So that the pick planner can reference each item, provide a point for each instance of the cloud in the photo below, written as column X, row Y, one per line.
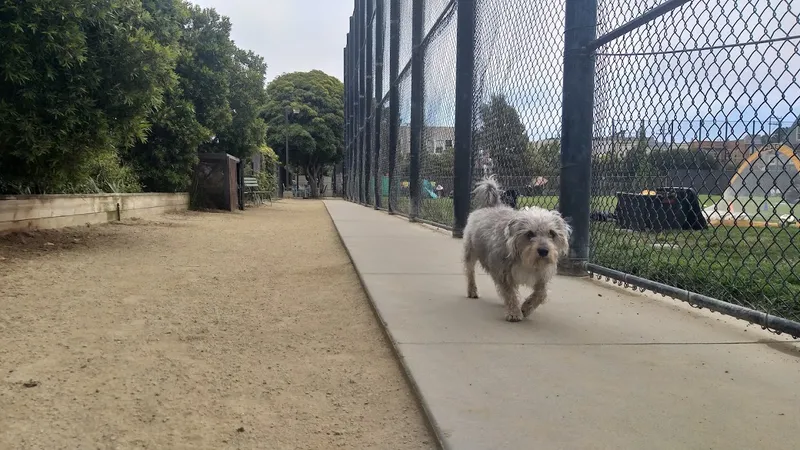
column 722, row 93
column 291, row 35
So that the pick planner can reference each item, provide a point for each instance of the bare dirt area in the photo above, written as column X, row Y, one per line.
column 196, row 331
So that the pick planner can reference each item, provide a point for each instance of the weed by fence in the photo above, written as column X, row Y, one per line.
column 666, row 131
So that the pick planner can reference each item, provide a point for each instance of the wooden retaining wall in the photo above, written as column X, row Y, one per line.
column 27, row 212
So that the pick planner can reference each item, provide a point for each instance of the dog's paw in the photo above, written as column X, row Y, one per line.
column 527, row 309
column 514, row 316
column 472, row 294
column 530, row 305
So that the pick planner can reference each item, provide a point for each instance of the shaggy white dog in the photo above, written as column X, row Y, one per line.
column 517, row 248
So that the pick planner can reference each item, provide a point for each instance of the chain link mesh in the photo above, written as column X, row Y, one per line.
column 387, row 39
column 518, row 97
column 402, row 162
column 432, row 12
column 370, row 132
column 383, row 158
column 406, row 32
column 438, row 132
column 705, row 97
column 695, row 167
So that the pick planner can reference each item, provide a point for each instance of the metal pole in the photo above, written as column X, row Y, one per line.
column 356, row 115
column 351, row 110
column 346, row 131
column 580, row 27
column 639, row 21
column 380, row 28
column 356, row 104
column 394, row 99
column 362, row 90
column 286, row 144
column 369, row 102
column 346, row 120
column 417, row 99
column 465, row 77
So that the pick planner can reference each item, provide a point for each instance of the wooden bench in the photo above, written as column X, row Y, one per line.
column 254, row 192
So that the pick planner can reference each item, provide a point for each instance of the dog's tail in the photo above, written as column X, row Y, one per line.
column 487, row 193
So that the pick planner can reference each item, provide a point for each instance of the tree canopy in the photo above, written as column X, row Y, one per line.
column 502, row 135
column 120, row 95
column 315, row 132
column 78, row 80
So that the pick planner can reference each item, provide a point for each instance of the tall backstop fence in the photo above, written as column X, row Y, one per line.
column 665, row 131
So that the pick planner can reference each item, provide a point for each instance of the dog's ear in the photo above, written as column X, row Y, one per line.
column 511, row 230
column 563, row 231
column 512, row 227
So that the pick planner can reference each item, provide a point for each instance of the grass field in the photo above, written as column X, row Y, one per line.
column 752, row 206
column 754, row 267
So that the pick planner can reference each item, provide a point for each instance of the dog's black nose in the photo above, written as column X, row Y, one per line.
column 543, row 252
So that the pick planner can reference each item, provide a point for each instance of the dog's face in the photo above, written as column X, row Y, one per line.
column 538, row 236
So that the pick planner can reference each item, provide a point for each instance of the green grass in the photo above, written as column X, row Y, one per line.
column 437, row 210
column 754, row 267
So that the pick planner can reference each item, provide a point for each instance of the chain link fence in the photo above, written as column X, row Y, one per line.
column 708, row 91
column 665, row 131
column 518, row 97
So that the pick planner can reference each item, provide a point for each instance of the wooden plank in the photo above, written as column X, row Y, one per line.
column 54, row 211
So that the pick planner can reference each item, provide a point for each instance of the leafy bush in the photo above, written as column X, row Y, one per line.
column 84, row 90
column 120, row 95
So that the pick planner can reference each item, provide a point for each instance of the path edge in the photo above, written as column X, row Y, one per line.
column 430, row 421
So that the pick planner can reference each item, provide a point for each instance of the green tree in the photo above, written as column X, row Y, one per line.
column 247, row 131
column 502, row 135
column 214, row 105
column 205, row 68
column 544, row 159
column 79, row 79
column 437, row 164
column 316, row 132
column 164, row 161
column 666, row 159
column 638, row 160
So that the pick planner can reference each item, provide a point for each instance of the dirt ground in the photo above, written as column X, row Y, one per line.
column 196, row 331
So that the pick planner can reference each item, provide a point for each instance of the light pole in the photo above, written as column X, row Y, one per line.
column 287, row 111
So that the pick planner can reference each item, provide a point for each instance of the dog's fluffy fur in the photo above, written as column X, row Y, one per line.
column 517, row 248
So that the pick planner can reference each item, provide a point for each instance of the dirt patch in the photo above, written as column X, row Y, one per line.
column 201, row 331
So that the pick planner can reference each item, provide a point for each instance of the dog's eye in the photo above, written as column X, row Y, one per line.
column 553, row 234
column 530, row 235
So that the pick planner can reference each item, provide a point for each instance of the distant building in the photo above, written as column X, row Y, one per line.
column 726, row 153
column 793, row 137
column 620, row 145
column 434, row 139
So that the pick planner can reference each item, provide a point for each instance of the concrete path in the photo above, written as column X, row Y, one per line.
column 597, row 367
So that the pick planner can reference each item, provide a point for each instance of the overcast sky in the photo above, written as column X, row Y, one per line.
column 520, row 55
column 291, row 35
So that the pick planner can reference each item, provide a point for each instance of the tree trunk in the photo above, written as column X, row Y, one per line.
column 320, row 180
column 313, row 180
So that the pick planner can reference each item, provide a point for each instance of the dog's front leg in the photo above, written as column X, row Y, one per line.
column 472, row 287
column 535, row 300
column 508, row 292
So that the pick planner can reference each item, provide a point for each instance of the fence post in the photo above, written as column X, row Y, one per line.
column 362, row 107
column 465, row 77
column 346, row 121
column 417, row 94
column 379, row 47
column 353, row 79
column 394, row 98
column 580, row 28
column 369, row 96
column 346, row 155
